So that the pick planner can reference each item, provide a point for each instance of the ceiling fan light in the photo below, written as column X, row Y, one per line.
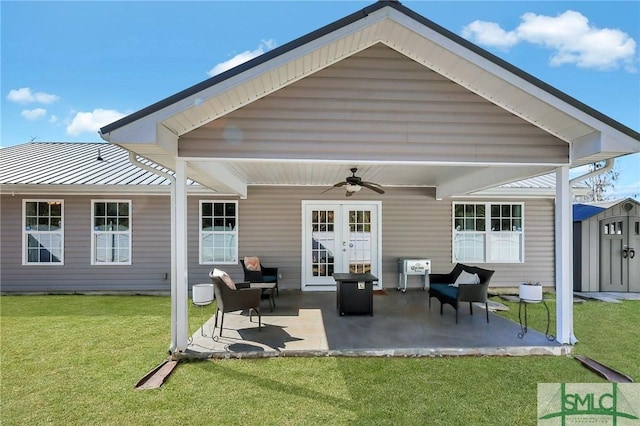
column 353, row 188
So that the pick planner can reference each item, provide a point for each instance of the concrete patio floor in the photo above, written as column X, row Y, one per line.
column 308, row 324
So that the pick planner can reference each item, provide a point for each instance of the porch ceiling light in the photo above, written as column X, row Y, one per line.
column 353, row 188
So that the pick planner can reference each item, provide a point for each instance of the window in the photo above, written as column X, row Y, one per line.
column 487, row 232
column 111, row 232
column 218, row 232
column 43, row 239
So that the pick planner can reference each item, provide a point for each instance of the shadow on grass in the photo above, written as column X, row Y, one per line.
column 272, row 388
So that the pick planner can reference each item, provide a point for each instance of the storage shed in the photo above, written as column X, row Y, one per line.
column 606, row 239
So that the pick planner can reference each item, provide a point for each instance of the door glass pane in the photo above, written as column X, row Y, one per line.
column 322, row 243
column 359, row 243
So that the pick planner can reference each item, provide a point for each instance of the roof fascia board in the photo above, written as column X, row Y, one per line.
column 586, row 146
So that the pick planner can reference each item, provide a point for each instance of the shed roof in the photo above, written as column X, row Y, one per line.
column 585, row 211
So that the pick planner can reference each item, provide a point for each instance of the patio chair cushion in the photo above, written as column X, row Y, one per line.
column 466, row 278
column 252, row 263
column 445, row 289
column 225, row 278
column 270, row 278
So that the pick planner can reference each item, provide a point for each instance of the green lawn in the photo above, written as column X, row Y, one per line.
column 75, row 360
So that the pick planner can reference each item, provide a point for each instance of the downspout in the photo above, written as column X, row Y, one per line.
column 608, row 165
column 133, row 158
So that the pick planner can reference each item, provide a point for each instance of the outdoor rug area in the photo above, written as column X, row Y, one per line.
column 308, row 324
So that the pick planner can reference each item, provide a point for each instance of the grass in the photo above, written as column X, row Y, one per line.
column 75, row 360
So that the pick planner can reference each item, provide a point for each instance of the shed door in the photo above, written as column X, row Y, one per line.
column 619, row 260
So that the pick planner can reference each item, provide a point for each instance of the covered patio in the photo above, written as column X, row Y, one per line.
column 416, row 109
column 308, row 324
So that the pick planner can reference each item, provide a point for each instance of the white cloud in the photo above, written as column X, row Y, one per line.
column 33, row 114
column 25, row 95
column 53, row 119
column 489, row 34
column 570, row 35
column 240, row 58
column 92, row 121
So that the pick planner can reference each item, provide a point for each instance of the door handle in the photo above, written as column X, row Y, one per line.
column 632, row 253
column 625, row 253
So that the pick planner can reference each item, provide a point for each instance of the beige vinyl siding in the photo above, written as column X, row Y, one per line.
column 150, row 227
column 413, row 224
column 376, row 105
column 269, row 226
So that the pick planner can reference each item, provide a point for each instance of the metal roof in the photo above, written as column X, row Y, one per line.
column 39, row 163
column 66, row 163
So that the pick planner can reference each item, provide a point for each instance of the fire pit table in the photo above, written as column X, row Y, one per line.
column 354, row 293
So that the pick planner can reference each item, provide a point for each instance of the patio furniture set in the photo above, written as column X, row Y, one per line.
column 354, row 292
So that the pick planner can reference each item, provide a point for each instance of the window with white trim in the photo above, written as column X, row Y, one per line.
column 111, row 232
column 43, row 238
column 488, row 232
column 218, row 232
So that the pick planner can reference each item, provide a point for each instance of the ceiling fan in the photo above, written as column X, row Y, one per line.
column 354, row 184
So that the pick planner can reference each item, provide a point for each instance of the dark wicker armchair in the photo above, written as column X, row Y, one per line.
column 441, row 289
column 229, row 299
column 264, row 275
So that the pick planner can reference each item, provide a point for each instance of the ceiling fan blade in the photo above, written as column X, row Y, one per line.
column 373, row 187
column 337, row 185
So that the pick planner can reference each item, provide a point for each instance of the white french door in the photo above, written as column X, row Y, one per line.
column 339, row 237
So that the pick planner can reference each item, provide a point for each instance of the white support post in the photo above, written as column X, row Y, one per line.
column 181, row 295
column 564, row 258
column 174, row 272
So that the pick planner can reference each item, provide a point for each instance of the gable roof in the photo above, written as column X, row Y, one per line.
column 344, row 22
column 578, row 134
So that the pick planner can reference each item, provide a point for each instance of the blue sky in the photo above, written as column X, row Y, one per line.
column 71, row 67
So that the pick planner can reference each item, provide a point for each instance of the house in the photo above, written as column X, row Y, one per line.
column 430, row 117
column 606, row 237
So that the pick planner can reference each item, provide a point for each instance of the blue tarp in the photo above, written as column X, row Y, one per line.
column 585, row 211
